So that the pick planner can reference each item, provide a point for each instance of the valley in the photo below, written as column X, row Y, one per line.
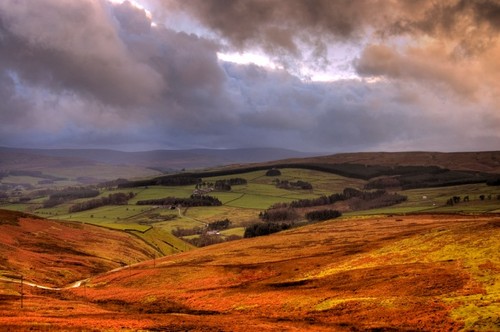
column 174, row 252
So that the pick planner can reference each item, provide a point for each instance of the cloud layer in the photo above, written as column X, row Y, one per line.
column 89, row 73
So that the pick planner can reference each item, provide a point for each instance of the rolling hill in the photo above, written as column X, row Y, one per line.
column 163, row 159
column 57, row 253
column 486, row 161
column 374, row 270
column 405, row 273
column 91, row 166
column 86, row 166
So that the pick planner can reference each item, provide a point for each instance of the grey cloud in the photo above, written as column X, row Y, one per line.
column 428, row 66
column 73, row 46
column 281, row 24
column 281, row 28
column 91, row 73
column 132, row 20
column 13, row 108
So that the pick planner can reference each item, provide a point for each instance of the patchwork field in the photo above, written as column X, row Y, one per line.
column 422, row 264
column 414, row 272
column 242, row 205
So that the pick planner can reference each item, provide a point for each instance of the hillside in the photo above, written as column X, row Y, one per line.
column 91, row 166
column 161, row 159
column 487, row 161
column 420, row 272
column 56, row 253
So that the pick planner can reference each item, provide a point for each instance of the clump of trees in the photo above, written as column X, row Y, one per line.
column 199, row 230
column 111, row 199
column 181, row 232
column 285, row 184
column 320, row 215
column 265, row 228
column 219, row 225
column 322, row 200
column 281, row 216
column 169, row 180
column 222, row 185
column 457, row 199
column 193, row 200
column 69, row 194
column 273, row 172
column 208, row 234
column 381, row 196
column 275, row 214
column 209, row 239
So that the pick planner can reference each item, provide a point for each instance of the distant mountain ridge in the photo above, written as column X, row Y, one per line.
column 167, row 159
column 480, row 161
column 176, row 160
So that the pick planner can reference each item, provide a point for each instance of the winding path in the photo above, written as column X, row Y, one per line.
column 76, row 284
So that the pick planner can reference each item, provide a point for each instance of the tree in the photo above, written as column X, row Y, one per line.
column 273, row 172
column 320, row 215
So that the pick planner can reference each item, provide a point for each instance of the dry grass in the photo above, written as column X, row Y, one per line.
column 426, row 272
column 55, row 253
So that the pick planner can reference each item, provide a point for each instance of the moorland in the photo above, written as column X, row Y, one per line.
column 387, row 241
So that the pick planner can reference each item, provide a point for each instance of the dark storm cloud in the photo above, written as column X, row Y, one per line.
column 278, row 24
column 103, row 67
column 13, row 107
column 92, row 73
column 73, row 46
column 281, row 27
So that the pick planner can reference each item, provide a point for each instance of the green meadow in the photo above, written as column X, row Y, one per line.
column 242, row 205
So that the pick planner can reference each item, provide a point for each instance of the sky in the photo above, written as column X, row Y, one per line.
column 309, row 75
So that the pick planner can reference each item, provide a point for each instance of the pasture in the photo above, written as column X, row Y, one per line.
column 243, row 204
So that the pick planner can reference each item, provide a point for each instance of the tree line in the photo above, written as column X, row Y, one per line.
column 193, row 200
column 347, row 194
column 221, row 185
column 69, row 194
column 320, row 215
column 457, row 199
column 111, row 199
column 432, row 178
column 260, row 229
column 281, row 216
column 208, row 239
column 169, row 180
column 285, row 184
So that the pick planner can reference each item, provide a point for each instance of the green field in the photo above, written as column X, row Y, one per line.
column 242, row 205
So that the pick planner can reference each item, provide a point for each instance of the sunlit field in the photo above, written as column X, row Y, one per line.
column 243, row 203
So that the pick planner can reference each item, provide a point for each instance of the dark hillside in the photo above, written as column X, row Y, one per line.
column 487, row 161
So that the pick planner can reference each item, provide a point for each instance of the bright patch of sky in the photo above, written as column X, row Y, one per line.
column 136, row 4
column 338, row 67
column 249, row 58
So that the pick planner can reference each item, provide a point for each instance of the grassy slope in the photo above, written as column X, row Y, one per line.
column 427, row 272
column 488, row 161
column 56, row 253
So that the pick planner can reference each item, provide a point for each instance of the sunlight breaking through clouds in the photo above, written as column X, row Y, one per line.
column 309, row 75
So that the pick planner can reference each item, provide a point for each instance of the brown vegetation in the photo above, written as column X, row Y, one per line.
column 386, row 273
column 56, row 253
column 488, row 161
